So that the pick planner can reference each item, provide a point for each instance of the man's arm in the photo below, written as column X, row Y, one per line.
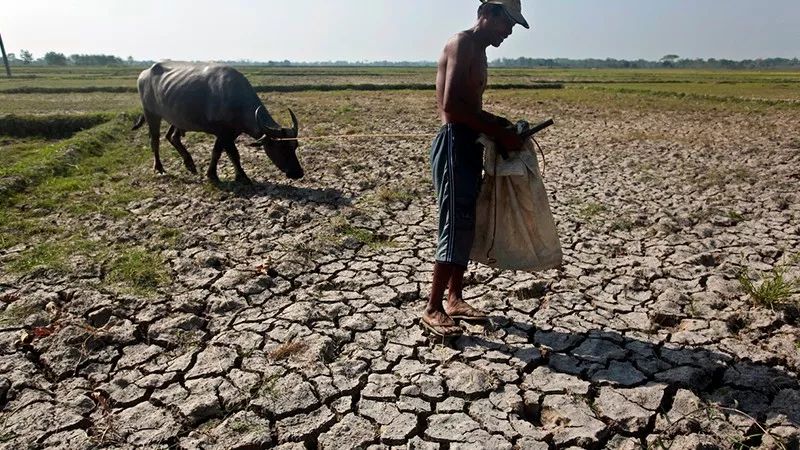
column 496, row 119
column 460, row 53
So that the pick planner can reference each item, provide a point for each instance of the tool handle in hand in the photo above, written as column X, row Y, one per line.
column 537, row 128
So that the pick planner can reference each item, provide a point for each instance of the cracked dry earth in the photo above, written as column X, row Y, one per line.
column 281, row 330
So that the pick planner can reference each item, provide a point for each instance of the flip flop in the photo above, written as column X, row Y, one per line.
column 472, row 315
column 482, row 318
column 437, row 329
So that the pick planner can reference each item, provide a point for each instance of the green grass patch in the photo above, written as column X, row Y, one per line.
column 68, row 104
column 304, row 249
column 15, row 315
column 51, row 126
column 268, row 387
column 342, row 227
column 622, row 224
column 709, row 177
column 25, row 169
column 322, row 87
column 50, row 256
column 66, row 185
column 242, row 426
column 735, row 216
column 745, row 90
column 771, row 290
column 590, row 211
column 169, row 235
column 139, row 271
column 387, row 194
column 18, row 229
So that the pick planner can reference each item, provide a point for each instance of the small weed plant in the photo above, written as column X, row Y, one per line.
column 775, row 289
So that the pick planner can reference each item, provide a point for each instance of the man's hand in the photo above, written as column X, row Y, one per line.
column 509, row 139
column 503, row 122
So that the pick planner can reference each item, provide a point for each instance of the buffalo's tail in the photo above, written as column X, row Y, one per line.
column 138, row 124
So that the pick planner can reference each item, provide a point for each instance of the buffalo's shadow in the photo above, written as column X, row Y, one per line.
column 605, row 357
column 327, row 196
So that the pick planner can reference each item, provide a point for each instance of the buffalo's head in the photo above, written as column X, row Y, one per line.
column 280, row 144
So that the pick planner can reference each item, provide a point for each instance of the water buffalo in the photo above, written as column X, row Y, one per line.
column 217, row 100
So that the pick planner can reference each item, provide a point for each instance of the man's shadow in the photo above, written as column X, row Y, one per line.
column 608, row 358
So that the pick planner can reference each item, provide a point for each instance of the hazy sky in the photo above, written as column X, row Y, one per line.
column 357, row 30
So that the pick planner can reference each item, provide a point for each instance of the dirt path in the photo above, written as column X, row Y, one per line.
column 291, row 319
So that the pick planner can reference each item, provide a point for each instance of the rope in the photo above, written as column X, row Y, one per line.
column 544, row 163
column 354, row 136
column 494, row 221
column 399, row 135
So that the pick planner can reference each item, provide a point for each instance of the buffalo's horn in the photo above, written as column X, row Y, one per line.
column 295, row 124
column 264, row 127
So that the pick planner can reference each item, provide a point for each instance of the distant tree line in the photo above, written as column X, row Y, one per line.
column 287, row 63
column 673, row 61
column 59, row 59
column 668, row 61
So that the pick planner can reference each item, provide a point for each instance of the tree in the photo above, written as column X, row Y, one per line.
column 55, row 59
column 95, row 60
column 669, row 60
column 26, row 57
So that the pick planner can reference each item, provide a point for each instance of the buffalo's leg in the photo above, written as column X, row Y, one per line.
column 212, row 166
column 154, row 125
column 233, row 154
column 174, row 137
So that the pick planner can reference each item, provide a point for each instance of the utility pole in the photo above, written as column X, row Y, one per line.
column 5, row 58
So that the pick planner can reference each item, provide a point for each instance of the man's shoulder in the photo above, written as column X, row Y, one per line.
column 462, row 39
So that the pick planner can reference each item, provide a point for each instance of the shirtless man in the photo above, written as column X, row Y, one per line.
column 457, row 160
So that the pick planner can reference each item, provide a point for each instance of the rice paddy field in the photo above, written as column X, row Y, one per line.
column 164, row 311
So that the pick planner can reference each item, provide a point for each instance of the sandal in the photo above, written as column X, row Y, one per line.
column 444, row 331
column 467, row 313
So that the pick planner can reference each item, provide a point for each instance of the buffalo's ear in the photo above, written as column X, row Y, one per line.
column 260, row 141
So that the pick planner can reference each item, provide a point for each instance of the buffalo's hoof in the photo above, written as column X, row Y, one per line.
column 244, row 180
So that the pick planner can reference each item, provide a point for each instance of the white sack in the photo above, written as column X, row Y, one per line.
column 514, row 228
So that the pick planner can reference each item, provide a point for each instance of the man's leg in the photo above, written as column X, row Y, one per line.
column 434, row 312
column 456, row 284
column 456, row 307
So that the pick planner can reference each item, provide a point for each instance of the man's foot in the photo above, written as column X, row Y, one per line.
column 440, row 324
column 460, row 310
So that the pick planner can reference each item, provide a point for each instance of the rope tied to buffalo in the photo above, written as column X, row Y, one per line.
column 353, row 136
column 389, row 135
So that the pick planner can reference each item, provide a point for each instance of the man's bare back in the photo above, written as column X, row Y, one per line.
column 462, row 77
column 462, row 74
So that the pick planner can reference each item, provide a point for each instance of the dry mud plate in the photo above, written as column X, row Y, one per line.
column 290, row 320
